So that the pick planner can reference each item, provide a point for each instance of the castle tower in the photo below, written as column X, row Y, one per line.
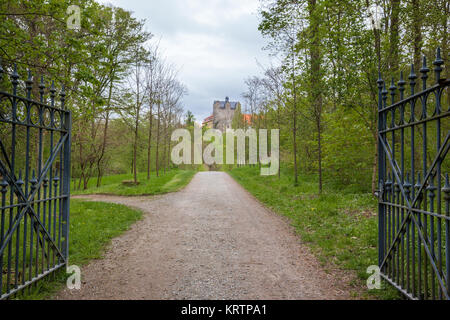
column 223, row 113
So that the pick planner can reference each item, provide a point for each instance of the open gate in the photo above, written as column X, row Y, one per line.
column 35, row 139
column 414, row 187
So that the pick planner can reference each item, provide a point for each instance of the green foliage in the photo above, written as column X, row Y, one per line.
column 190, row 119
column 331, row 55
column 238, row 121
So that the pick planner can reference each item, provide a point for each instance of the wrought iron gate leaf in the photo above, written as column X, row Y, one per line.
column 30, row 253
column 400, row 215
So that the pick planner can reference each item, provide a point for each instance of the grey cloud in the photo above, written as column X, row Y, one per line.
column 214, row 42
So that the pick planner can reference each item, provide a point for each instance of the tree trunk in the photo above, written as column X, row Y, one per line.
column 102, row 152
column 394, row 37
column 294, row 129
column 417, row 32
column 316, row 81
column 319, row 144
column 105, row 137
column 136, row 128
column 149, row 149
column 164, row 138
column 375, row 165
column 136, row 137
column 157, row 141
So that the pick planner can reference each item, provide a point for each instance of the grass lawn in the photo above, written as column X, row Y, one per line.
column 340, row 226
column 172, row 181
column 92, row 226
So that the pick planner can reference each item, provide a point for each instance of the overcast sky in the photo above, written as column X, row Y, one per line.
column 214, row 43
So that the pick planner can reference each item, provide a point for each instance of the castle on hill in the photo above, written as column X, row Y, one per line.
column 223, row 113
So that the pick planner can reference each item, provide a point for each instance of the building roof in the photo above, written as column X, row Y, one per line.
column 233, row 104
column 209, row 119
column 247, row 118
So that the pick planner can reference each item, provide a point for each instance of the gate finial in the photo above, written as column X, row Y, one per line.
column 446, row 188
column 412, row 79
column 393, row 88
column 29, row 84
column 431, row 189
column 380, row 81
column 384, row 94
column 4, row 185
column 52, row 94
column 33, row 181
column 20, row 182
column 15, row 79
column 424, row 70
column 438, row 63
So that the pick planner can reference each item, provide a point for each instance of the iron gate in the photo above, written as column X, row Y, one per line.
column 35, row 139
column 414, row 217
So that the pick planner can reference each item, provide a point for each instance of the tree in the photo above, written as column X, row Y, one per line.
column 190, row 119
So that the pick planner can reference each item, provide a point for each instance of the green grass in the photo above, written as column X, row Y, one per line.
column 93, row 225
column 172, row 181
column 339, row 226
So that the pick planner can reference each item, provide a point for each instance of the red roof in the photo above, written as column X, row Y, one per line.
column 247, row 118
column 209, row 119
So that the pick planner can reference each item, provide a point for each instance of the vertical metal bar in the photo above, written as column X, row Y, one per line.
column 41, row 99
column 412, row 77
column 424, row 70
column 33, row 182
column 394, row 200
column 4, row 190
column 44, row 214
column 66, row 180
column 55, row 185
column 389, row 216
column 384, row 169
column 438, row 63
column 381, row 177
column 419, row 243
column 431, row 189
column 29, row 85
column 425, row 257
column 50, row 219
column 446, row 191
column 15, row 82
column 397, row 228
column 30, row 266
column 407, row 187
column 401, row 85
column 25, row 230
column 61, row 164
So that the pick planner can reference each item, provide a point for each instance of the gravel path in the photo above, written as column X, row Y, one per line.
column 212, row 240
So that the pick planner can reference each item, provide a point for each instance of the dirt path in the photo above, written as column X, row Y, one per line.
column 211, row 240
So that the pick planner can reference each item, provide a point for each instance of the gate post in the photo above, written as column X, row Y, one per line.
column 381, row 171
column 66, row 179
